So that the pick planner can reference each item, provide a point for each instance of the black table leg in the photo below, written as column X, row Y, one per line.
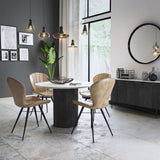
column 65, row 112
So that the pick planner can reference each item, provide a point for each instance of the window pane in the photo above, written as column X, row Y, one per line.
column 100, row 43
column 83, row 8
column 98, row 6
column 83, row 56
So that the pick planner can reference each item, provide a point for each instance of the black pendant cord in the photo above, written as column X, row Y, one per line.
column 61, row 11
column 43, row 11
column 30, row 9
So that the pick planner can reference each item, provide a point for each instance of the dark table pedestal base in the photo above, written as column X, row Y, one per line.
column 65, row 112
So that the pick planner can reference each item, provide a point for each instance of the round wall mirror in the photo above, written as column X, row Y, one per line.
column 142, row 41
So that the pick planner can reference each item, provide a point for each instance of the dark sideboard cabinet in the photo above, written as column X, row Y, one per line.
column 137, row 94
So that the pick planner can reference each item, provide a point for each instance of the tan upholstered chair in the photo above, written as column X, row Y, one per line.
column 19, row 95
column 100, row 95
column 87, row 95
column 41, row 92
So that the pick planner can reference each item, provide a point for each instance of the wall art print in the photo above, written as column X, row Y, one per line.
column 8, row 37
column 5, row 55
column 13, row 55
column 25, row 38
column 23, row 54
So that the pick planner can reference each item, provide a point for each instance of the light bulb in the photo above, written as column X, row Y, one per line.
column 84, row 32
column 155, row 52
column 30, row 27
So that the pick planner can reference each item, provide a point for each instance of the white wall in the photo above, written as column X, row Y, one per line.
column 126, row 15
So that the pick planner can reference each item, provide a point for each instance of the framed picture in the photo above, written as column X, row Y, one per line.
column 8, row 37
column 23, row 54
column 13, row 55
column 5, row 55
column 25, row 38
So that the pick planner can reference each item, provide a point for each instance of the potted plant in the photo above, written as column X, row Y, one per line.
column 50, row 58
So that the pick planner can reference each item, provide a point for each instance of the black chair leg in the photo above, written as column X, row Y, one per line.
column 31, row 112
column 36, row 115
column 107, row 112
column 25, row 124
column 77, row 119
column 52, row 98
column 46, row 106
column 106, row 122
column 42, row 109
column 45, row 118
column 17, row 119
column 92, row 125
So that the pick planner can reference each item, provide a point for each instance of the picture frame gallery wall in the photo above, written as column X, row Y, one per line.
column 10, row 51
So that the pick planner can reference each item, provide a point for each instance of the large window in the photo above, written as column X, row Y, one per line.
column 99, row 47
column 96, row 47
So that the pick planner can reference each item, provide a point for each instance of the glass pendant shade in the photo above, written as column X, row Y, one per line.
column 156, row 46
column 72, row 45
column 44, row 35
column 84, row 32
column 60, row 34
column 30, row 27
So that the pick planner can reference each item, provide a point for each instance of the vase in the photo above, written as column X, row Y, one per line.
column 153, row 74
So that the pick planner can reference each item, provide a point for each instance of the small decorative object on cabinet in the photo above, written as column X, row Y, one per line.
column 153, row 74
column 119, row 72
column 145, row 75
column 125, row 74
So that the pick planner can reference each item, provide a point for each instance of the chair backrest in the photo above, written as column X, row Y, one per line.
column 101, row 92
column 18, row 91
column 101, row 76
column 36, row 78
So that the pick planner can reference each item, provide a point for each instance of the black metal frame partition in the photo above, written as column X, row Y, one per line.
column 93, row 21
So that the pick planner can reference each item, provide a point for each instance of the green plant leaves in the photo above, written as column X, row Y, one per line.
column 44, row 52
column 51, row 56
column 45, row 46
column 44, row 62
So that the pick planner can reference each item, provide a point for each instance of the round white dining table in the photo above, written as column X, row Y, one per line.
column 65, row 112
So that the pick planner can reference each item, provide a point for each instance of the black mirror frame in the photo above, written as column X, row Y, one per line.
column 129, row 41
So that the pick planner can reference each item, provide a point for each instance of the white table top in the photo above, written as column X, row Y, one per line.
column 76, row 84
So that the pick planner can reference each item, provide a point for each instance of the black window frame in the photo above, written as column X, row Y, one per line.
column 89, row 24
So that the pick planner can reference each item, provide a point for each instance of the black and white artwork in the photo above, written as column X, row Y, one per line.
column 23, row 54
column 25, row 38
column 13, row 55
column 5, row 55
column 8, row 37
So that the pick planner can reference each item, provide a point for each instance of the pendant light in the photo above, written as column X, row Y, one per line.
column 60, row 34
column 30, row 27
column 155, row 47
column 44, row 35
column 84, row 32
column 72, row 45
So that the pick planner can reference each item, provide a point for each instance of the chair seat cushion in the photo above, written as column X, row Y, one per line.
column 83, row 103
column 47, row 93
column 34, row 101
column 85, row 94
